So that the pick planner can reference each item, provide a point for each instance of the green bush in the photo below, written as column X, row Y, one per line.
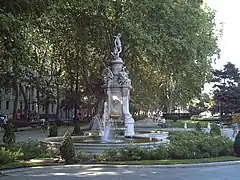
column 198, row 126
column 215, row 131
column 8, row 156
column 77, row 130
column 236, row 145
column 67, row 151
column 9, row 136
column 110, row 155
column 82, row 156
column 133, row 153
column 53, row 130
column 183, row 145
column 33, row 150
column 130, row 153
column 186, row 145
column 160, row 153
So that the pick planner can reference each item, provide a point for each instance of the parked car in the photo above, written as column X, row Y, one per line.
column 3, row 120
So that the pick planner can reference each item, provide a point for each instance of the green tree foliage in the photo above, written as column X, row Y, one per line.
column 9, row 136
column 61, row 47
column 236, row 145
column 200, row 105
column 226, row 89
column 215, row 130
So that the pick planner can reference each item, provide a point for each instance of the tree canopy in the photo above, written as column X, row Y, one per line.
column 61, row 47
column 226, row 89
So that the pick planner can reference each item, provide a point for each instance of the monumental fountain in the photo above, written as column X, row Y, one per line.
column 117, row 85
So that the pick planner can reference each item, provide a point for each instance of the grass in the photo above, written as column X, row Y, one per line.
column 172, row 162
column 23, row 164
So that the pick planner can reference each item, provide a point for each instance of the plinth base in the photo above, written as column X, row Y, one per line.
column 129, row 127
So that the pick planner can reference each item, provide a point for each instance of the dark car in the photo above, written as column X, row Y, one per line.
column 3, row 120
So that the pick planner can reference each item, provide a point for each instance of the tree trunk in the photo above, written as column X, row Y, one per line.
column 38, row 103
column 25, row 99
column 46, row 108
column 76, row 90
column 58, row 103
column 15, row 104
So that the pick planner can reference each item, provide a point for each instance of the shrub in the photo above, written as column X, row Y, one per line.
column 9, row 136
column 82, row 156
column 198, row 127
column 236, row 145
column 160, row 153
column 77, row 130
column 183, row 145
column 8, row 155
column 67, row 151
column 33, row 150
column 109, row 155
column 53, row 130
column 133, row 153
column 215, row 131
column 130, row 153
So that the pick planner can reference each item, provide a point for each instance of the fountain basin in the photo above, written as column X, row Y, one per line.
column 95, row 145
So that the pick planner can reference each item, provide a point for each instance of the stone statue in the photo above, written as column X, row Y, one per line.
column 118, row 46
column 107, row 75
column 123, row 78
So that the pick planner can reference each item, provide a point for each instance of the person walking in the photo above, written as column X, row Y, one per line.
column 235, row 129
column 43, row 125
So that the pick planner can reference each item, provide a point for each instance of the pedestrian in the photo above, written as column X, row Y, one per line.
column 43, row 125
column 18, row 115
column 235, row 129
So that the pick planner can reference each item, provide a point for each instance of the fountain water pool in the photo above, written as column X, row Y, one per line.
column 95, row 145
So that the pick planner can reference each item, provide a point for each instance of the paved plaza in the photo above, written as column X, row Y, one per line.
column 129, row 172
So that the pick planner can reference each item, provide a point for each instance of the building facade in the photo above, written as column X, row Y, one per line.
column 7, row 98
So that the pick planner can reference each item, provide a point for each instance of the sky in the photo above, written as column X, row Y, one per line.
column 228, row 12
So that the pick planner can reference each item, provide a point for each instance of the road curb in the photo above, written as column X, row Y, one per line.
column 198, row 165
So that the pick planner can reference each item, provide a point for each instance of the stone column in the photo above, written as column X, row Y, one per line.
column 129, row 121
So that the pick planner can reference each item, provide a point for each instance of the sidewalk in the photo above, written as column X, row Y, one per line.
column 37, row 134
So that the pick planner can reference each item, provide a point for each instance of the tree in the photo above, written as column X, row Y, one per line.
column 168, row 47
column 200, row 105
column 226, row 89
column 67, row 150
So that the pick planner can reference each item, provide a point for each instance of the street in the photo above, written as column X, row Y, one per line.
column 133, row 173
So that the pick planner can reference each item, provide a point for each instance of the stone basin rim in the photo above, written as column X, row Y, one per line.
column 52, row 140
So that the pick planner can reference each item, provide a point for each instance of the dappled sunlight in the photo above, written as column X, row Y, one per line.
column 127, row 172
column 96, row 173
column 77, row 171
column 59, row 174
column 95, row 169
column 37, row 167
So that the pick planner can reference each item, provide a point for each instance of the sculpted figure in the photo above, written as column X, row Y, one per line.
column 118, row 46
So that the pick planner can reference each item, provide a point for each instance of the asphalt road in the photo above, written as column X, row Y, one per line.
column 230, row 172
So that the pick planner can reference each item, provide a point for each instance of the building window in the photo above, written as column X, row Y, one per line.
column 33, row 107
column 43, row 108
column 0, row 104
column 52, row 107
column 7, row 104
